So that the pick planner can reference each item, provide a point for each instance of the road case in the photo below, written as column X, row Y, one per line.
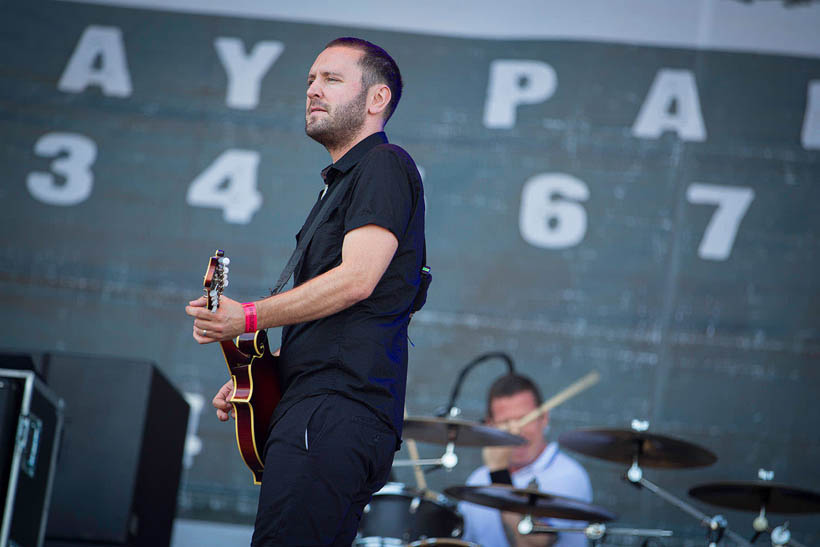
column 31, row 422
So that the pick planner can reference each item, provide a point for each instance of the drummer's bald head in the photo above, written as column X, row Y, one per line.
column 511, row 384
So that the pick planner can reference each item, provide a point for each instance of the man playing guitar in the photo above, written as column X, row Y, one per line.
column 343, row 357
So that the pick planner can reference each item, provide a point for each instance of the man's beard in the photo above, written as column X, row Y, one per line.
column 341, row 123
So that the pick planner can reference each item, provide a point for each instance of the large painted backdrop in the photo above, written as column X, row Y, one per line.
column 645, row 210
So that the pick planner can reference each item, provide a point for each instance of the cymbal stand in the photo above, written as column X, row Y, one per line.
column 779, row 535
column 716, row 525
column 448, row 460
column 594, row 532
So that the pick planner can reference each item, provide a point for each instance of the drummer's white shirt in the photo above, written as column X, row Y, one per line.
column 555, row 472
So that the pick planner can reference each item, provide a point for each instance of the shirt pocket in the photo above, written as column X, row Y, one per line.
column 325, row 248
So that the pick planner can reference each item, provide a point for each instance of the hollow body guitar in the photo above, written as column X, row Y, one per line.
column 253, row 368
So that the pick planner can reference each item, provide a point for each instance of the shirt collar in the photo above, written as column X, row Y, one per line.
column 542, row 461
column 352, row 157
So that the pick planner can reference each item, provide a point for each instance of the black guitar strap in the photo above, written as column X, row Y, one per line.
column 320, row 217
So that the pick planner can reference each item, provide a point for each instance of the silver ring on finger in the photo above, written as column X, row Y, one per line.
column 204, row 332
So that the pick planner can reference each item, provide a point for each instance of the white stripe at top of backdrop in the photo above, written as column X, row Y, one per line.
column 760, row 26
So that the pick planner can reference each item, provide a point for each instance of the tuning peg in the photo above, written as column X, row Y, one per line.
column 225, row 260
column 226, row 283
column 225, row 270
column 213, row 293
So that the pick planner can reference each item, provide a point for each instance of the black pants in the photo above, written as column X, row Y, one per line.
column 324, row 458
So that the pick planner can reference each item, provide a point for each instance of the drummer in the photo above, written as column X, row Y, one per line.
column 538, row 464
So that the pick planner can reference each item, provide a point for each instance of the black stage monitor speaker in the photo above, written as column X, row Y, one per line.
column 119, row 468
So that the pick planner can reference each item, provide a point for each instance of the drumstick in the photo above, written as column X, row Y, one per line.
column 413, row 450
column 571, row 391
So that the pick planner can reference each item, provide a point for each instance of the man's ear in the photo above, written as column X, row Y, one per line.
column 379, row 99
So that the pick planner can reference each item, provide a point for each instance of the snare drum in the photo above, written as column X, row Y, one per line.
column 397, row 515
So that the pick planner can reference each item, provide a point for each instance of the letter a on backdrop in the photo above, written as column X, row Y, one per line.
column 110, row 73
column 672, row 105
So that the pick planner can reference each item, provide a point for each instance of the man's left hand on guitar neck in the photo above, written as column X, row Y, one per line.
column 226, row 323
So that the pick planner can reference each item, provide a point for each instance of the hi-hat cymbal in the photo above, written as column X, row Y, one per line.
column 623, row 445
column 752, row 495
column 529, row 501
column 460, row 432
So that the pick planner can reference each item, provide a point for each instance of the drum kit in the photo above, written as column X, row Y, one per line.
column 399, row 515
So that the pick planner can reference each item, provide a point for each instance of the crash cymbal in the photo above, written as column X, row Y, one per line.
column 752, row 495
column 622, row 445
column 529, row 501
column 460, row 432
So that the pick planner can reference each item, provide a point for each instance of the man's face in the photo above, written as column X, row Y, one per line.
column 505, row 409
column 336, row 100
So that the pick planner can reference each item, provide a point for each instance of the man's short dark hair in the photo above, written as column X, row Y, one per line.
column 377, row 68
column 511, row 384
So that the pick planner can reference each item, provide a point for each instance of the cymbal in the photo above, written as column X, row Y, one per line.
column 529, row 501
column 460, row 432
column 622, row 445
column 752, row 495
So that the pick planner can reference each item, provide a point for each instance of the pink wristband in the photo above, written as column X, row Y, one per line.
column 250, row 316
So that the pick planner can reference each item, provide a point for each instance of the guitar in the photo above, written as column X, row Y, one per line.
column 256, row 387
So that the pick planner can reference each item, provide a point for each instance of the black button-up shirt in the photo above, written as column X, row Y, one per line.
column 361, row 352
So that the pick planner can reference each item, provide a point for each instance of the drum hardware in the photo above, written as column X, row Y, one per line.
column 764, row 497
column 637, row 447
column 594, row 532
column 421, row 461
column 781, row 536
column 531, row 502
column 716, row 526
column 448, row 460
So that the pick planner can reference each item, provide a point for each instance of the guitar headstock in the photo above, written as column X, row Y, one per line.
column 216, row 278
